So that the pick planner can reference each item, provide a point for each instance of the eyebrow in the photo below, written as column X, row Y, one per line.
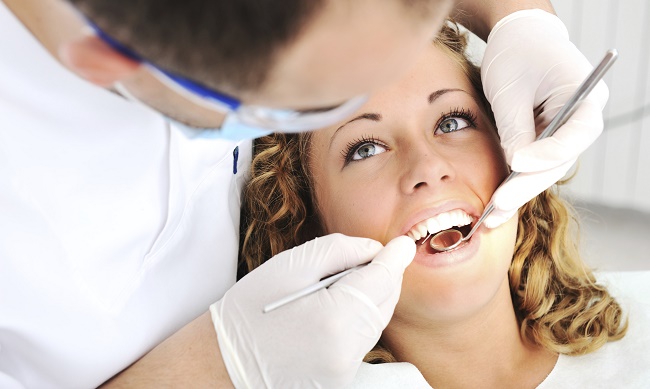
column 435, row 95
column 376, row 117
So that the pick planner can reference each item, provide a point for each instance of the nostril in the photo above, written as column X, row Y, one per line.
column 419, row 185
column 445, row 178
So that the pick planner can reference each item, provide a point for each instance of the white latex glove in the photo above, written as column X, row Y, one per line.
column 529, row 70
column 319, row 340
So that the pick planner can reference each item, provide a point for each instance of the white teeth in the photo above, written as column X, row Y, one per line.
column 422, row 229
column 443, row 221
column 433, row 225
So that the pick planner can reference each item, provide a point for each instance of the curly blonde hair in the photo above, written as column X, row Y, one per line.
column 559, row 305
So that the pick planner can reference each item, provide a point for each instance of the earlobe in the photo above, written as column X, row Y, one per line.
column 97, row 62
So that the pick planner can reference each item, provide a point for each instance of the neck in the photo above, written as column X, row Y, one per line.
column 484, row 350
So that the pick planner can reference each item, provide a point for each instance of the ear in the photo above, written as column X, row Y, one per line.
column 97, row 62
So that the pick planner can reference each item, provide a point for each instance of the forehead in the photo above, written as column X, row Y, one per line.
column 436, row 69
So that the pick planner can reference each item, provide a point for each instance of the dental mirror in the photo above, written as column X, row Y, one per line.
column 450, row 239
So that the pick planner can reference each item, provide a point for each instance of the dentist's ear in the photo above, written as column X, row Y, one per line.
column 95, row 61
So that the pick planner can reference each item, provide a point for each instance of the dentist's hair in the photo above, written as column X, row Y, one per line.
column 224, row 44
column 230, row 45
column 558, row 304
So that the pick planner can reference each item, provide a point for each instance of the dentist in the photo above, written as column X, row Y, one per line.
column 124, row 141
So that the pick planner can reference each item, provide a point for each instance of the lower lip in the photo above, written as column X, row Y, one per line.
column 464, row 253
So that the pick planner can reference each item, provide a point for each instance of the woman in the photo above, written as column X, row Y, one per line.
column 421, row 156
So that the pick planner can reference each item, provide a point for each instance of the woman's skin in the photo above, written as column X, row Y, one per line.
column 391, row 167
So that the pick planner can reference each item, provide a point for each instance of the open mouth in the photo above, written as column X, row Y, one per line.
column 454, row 220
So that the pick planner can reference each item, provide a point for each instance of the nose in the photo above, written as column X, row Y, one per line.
column 425, row 168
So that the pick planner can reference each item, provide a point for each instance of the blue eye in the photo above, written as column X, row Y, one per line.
column 367, row 150
column 452, row 124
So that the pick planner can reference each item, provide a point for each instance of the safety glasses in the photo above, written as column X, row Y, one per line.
column 282, row 120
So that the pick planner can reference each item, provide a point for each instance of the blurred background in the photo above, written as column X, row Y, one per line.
column 611, row 189
column 612, row 186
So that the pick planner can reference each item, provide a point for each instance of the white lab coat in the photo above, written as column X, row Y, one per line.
column 115, row 230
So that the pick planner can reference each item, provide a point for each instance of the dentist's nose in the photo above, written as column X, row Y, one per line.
column 425, row 169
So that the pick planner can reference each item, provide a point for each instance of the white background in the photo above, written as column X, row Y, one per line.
column 612, row 185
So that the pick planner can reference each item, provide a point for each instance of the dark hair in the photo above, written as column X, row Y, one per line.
column 229, row 45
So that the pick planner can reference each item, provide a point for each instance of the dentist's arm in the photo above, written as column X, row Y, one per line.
column 190, row 357
column 529, row 70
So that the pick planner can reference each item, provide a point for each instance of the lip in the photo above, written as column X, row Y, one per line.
column 464, row 253
column 436, row 210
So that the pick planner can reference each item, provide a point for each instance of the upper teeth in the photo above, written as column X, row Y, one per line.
column 443, row 221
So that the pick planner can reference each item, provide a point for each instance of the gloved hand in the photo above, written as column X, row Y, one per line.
column 321, row 339
column 529, row 70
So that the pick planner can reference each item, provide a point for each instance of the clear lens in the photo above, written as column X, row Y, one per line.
column 277, row 120
column 294, row 121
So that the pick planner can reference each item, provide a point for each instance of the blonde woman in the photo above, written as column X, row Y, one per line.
column 513, row 307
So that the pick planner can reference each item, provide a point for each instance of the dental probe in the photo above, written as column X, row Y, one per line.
column 450, row 239
column 324, row 283
column 565, row 113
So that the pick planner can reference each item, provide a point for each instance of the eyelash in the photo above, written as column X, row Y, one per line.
column 458, row 112
column 353, row 146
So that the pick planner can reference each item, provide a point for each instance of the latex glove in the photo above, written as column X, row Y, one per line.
column 529, row 70
column 321, row 339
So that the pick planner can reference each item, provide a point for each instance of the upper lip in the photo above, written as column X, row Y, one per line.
column 436, row 210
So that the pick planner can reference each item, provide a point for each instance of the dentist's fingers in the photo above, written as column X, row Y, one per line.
column 518, row 191
column 568, row 142
column 379, row 283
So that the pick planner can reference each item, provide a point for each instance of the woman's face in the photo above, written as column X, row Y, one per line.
column 420, row 156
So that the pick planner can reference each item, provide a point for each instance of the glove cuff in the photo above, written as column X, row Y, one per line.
column 230, row 359
column 552, row 20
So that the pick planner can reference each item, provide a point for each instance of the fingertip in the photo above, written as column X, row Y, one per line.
column 401, row 240
column 493, row 221
column 404, row 247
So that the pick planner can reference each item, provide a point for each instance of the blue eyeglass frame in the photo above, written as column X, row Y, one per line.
column 284, row 120
column 230, row 102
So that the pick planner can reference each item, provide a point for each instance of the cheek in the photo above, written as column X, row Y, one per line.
column 354, row 208
column 499, row 243
column 484, row 168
